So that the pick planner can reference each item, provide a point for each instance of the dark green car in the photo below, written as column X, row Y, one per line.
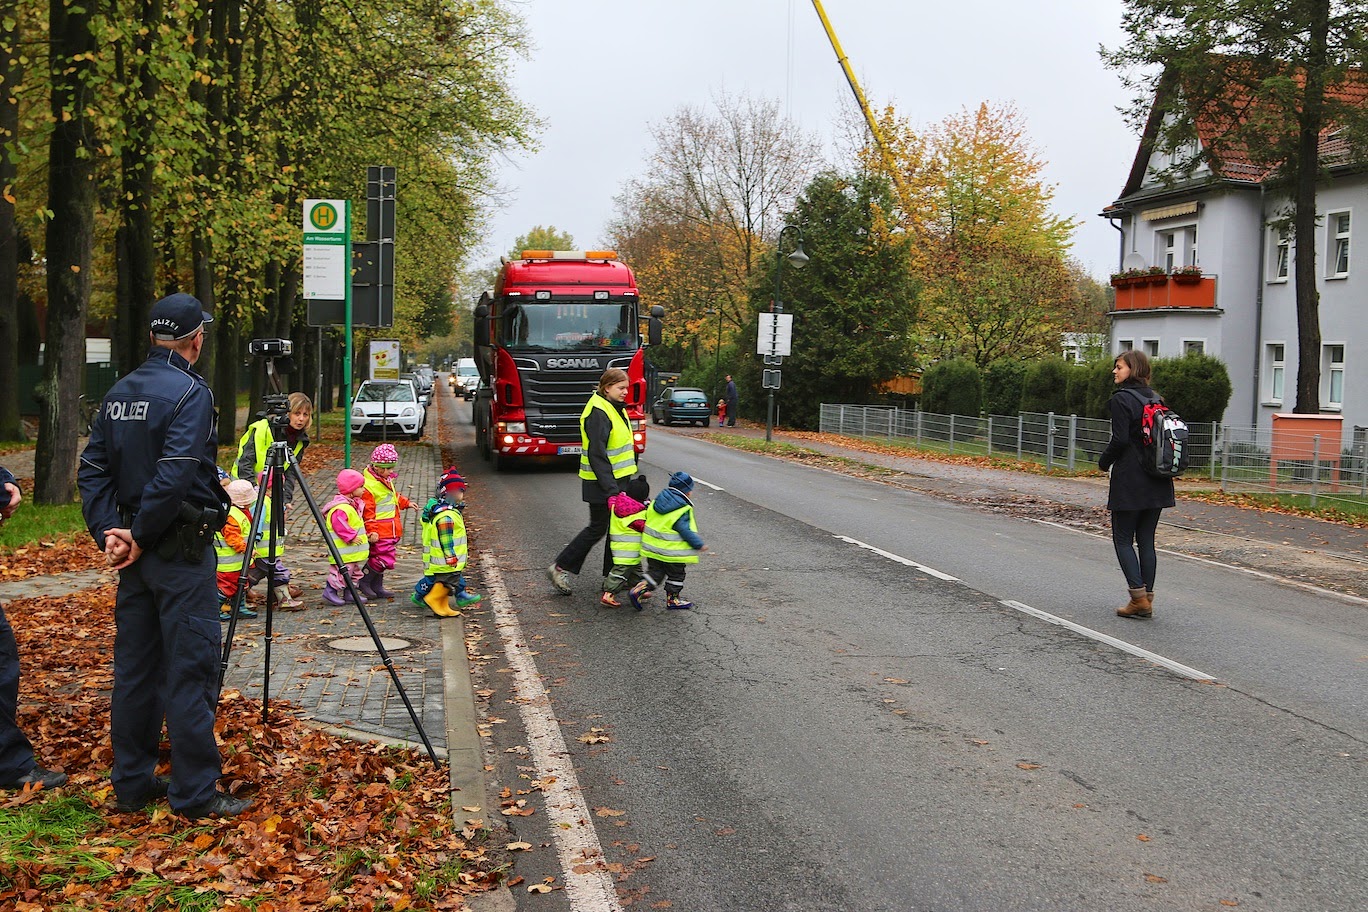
column 682, row 404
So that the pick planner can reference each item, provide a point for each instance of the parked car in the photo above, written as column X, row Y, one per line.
column 389, row 408
column 682, row 404
column 467, row 377
column 425, row 378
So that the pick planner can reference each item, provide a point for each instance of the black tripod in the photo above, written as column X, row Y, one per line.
column 279, row 460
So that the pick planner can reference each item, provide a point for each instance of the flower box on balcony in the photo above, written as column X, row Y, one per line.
column 1187, row 276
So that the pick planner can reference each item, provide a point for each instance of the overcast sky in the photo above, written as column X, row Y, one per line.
column 603, row 71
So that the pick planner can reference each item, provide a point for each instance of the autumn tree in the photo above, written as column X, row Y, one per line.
column 695, row 227
column 542, row 238
column 853, row 306
column 1268, row 80
column 990, row 252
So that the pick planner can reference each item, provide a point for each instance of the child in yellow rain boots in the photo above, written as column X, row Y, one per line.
column 445, row 549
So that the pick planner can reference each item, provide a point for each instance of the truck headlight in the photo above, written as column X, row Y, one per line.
column 512, row 427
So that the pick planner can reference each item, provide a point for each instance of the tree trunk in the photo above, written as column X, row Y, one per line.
column 11, row 74
column 70, row 237
column 1309, row 124
column 137, row 267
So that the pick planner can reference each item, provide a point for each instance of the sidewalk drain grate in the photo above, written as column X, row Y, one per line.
column 366, row 644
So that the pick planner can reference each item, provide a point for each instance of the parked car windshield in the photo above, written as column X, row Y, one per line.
column 385, row 392
column 568, row 327
column 690, row 397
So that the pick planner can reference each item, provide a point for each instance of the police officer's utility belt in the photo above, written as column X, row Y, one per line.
column 189, row 533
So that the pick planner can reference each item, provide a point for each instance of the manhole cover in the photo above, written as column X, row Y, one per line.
column 366, row 644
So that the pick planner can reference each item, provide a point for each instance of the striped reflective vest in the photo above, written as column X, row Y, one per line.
column 662, row 542
column 263, row 545
column 621, row 452
column 434, row 558
column 623, row 541
column 230, row 561
column 260, row 434
column 352, row 552
column 386, row 520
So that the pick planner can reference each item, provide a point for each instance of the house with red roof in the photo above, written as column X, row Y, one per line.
column 1206, row 259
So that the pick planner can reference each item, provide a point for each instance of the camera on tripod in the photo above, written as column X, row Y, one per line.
column 271, row 348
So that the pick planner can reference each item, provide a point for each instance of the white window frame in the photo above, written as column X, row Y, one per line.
column 1283, row 251
column 1192, row 258
column 1200, row 343
column 1170, row 252
column 1332, row 369
column 1124, row 345
column 1338, row 242
column 1276, row 372
column 1150, row 347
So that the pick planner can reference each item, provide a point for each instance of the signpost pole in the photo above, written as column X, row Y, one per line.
column 347, row 350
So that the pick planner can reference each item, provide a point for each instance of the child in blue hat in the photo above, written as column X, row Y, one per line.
column 670, row 542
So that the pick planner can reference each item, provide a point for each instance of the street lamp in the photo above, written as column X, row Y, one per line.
column 798, row 259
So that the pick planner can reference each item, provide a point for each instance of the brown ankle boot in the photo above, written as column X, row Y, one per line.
column 1149, row 597
column 1137, row 607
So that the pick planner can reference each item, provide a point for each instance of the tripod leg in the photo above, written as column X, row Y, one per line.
column 292, row 466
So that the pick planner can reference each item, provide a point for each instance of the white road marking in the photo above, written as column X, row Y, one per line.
column 930, row 571
column 572, row 829
column 1271, row 577
column 1170, row 664
column 707, row 484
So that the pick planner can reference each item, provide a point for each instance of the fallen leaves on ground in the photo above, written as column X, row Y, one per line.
column 74, row 551
column 334, row 823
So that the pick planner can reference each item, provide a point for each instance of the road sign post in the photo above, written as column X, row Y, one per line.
column 327, row 281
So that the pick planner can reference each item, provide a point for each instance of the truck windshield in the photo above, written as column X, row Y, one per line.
column 569, row 327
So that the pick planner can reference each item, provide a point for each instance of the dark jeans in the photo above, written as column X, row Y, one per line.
column 669, row 573
column 1132, row 530
column 731, row 413
column 572, row 555
column 16, row 754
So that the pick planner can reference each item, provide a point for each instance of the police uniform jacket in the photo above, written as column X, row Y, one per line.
column 1131, row 487
column 152, row 448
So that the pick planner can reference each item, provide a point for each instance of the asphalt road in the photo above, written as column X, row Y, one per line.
column 831, row 728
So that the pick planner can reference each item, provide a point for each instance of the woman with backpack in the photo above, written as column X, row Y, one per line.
column 1135, row 497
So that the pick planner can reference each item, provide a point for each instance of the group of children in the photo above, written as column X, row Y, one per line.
column 662, row 530
column 364, row 524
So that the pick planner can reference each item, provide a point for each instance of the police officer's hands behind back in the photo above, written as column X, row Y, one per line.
column 120, row 549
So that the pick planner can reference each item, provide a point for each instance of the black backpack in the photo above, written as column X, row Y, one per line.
column 1164, row 435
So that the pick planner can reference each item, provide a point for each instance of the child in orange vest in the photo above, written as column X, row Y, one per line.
column 380, row 506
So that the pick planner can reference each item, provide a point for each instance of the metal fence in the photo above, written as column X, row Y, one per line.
column 1238, row 459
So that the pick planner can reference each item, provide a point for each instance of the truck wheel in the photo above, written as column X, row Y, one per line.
column 482, row 440
column 497, row 462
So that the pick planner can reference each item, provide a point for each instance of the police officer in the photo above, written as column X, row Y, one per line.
column 18, row 767
column 152, row 501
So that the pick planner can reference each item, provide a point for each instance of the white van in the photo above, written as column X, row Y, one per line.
column 467, row 377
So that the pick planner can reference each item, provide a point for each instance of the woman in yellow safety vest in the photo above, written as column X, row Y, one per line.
column 257, row 439
column 607, row 460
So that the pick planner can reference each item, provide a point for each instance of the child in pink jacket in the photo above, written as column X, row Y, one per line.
column 346, row 528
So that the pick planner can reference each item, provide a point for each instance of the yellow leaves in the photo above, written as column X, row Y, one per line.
column 1142, row 837
column 1028, row 766
column 595, row 736
column 607, row 812
column 519, row 846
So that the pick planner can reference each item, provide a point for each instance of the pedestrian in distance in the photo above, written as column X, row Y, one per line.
column 346, row 528
column 721, row 412
column 380, row 508
column 230, row 546
column 625, row 525
column 1135, row 498
column 445, row 549
column 732, row 400
column 18, row 766
column 152, row 501
column 607, row 458
column 670, row 542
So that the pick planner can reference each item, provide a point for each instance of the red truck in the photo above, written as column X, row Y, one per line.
column 554, row 322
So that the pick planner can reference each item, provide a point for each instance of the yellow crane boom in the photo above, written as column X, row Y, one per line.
column 873, row 123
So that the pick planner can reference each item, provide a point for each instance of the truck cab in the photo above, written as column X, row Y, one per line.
column 553, row 323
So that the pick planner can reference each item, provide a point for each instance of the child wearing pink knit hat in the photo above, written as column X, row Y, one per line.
column 381, row 507
column 344, row 525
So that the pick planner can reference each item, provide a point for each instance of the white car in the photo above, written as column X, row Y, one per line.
column 467, row 377
column 388, row 408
